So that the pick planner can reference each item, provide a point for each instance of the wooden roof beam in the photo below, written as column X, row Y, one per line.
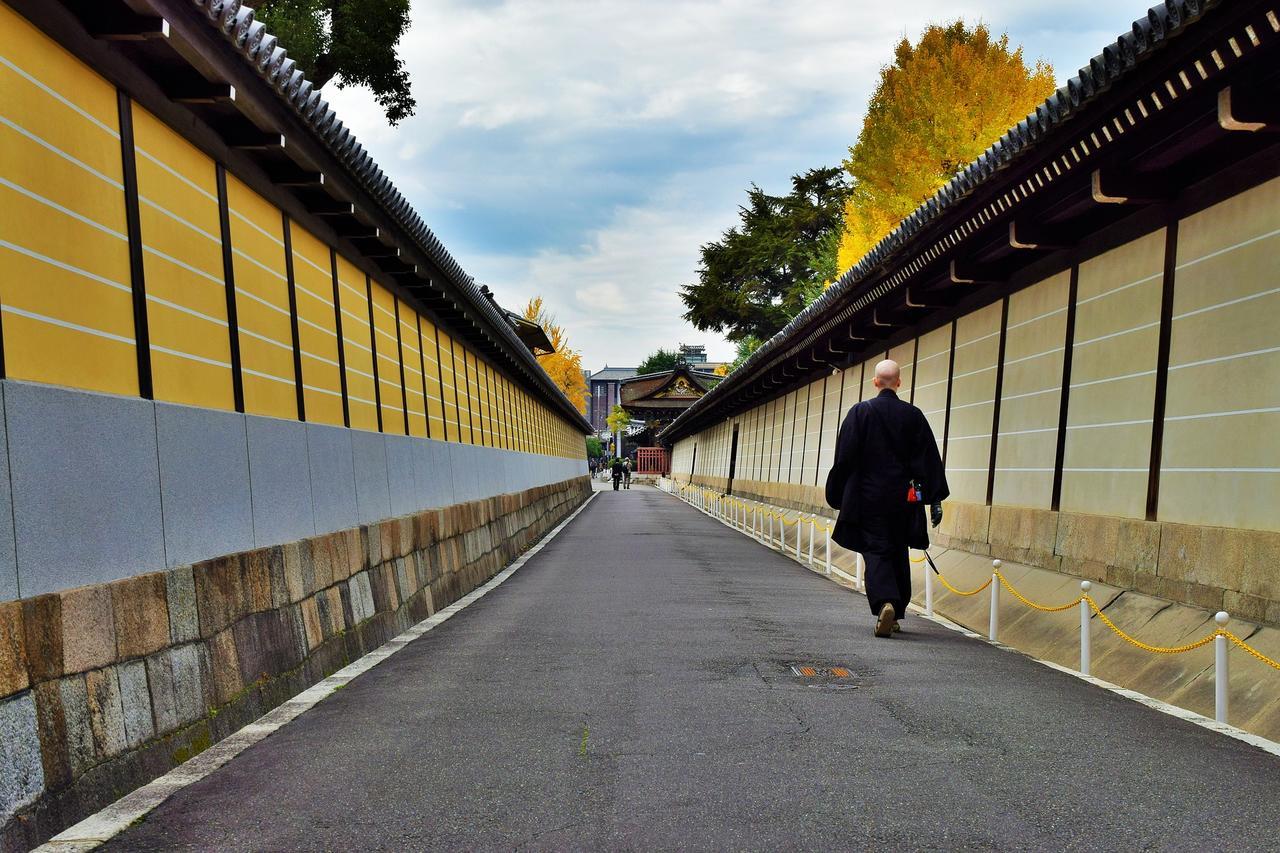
column 1247, row 111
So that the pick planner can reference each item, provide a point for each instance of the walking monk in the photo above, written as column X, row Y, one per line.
column 885, row 456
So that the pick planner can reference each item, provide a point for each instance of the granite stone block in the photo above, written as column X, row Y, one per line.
column 106, row 715
column 141, row 609
column 336, row 617
column 193, row 688
column 52, row 725
column 204, row 482
column 88, row 628
column 13, row 653
column 85, row 486
column 261, row 567
column 222, row 595
column 373, row 498
column 21, row 769
column 135, row 702
column 81, row 754
column 180, row 593
column 401, row 478
column 42, row 634
column 164, row 701
column 225, row 667
column 311, row 621
column 280, row 481
column 333, row 478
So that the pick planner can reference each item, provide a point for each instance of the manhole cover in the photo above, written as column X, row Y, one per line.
column 828, row 676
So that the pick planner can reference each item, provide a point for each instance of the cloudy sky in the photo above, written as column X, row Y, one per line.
column 585, row 150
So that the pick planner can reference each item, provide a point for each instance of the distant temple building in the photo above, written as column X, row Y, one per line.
column 603, row 387
column 657, row 399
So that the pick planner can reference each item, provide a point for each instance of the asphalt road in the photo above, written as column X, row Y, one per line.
column 629, row 688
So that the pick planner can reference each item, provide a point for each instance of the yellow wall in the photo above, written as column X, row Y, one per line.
column 357, row 350
column 387, row 349
column 262, row 303
column 411, row 357
column 317, row 328
column 62, row 219
column 182, row 258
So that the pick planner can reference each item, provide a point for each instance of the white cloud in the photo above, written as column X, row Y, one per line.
column 585, row 150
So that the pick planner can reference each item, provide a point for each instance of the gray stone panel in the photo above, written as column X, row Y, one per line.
column 333, row 477
column 85, row 486
column 401, row 478
column 21, row 771
column 373, row 499
column 432, row 473
column 8, row 557
column 204, row 483
column 280, row 481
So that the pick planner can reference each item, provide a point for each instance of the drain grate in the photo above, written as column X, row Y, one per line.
column 803, row 670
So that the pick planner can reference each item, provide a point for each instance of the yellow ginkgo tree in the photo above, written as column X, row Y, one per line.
column 564, row 365
column 937, row 107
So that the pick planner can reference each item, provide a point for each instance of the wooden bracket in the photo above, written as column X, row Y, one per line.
column 1245, row 111
column 203, row 93
column 1025, row 236
column 961, row 274
column 1110, row 188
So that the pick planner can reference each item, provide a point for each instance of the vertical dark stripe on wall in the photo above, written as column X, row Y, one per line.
column 444, row 421
column 915, row 364
column 1162, row 368
column 995, row 408
column 287, row 231
column 1060, row 455
column 422, row 363
column 342, row 342
column 404, row 392
column 373, row 353
column 133, row 223
column 229, row 276
column 946, row 418
column 822, row 423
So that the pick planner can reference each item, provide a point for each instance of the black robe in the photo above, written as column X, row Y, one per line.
column 868, row 483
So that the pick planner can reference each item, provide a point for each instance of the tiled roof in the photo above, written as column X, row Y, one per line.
column 235, row 22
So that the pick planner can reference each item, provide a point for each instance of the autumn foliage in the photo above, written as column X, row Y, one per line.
column 940, row 104
column 564, row 366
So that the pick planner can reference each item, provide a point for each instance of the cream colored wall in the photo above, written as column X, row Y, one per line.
column 973, row 385
column 905, row 355
column 1031, row 393
column 1221, row 454
column 1108, row 447
column 832, row 412
column 933, row 361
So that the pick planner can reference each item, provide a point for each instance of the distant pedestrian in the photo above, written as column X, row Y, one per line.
column 886, row 468
column 626, row 473
column 618, row 470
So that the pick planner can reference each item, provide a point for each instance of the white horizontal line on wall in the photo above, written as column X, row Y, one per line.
column 1054, row 389
column 1118, row 334
column 22, row 250
column 320, row 358
column 260, row 265
column 185, row 310
column 1033, row 357
column 1036, row 319
column 1220, row 470
column 973, row 372
column 270, row 376
column 172, row 171
column 1003, row 433
column 53, row 321
column 1025, row 470
column 256, row 298
column 1138, row 421
column 1118, row 289
column 1227, row 249
column 1123, row 376
column 322, row 390
column 977, row 340
column 244, row 330
column 329, row 333
column 1264, row 411
column 213, row 238
column 189, row 356
column 63, row 154
column 255, row 226
column 1228, row 303
column 58, row 96
column 79, row 217
column 1221, row 358
column 212, row 279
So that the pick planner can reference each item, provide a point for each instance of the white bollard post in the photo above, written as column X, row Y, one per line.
column 860, row 583
column 1220, row 673
column 1086, row 643
column 993, row 626
column 928, row 589
column 812, row 531
column 828, row 532
column 770, row 529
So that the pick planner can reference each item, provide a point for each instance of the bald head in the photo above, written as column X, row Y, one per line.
column 888, row 375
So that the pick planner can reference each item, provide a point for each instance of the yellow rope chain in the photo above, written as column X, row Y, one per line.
column 1093, row 605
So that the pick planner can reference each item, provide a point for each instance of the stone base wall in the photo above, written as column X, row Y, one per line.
column 106, row 687
column 1216, row 568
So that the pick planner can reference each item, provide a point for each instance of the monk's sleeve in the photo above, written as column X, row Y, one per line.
column 929, row 465
column 848, row 443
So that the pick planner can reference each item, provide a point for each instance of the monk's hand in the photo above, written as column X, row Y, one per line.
column 935, row 512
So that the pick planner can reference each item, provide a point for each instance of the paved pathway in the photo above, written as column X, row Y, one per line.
column 629, row 688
